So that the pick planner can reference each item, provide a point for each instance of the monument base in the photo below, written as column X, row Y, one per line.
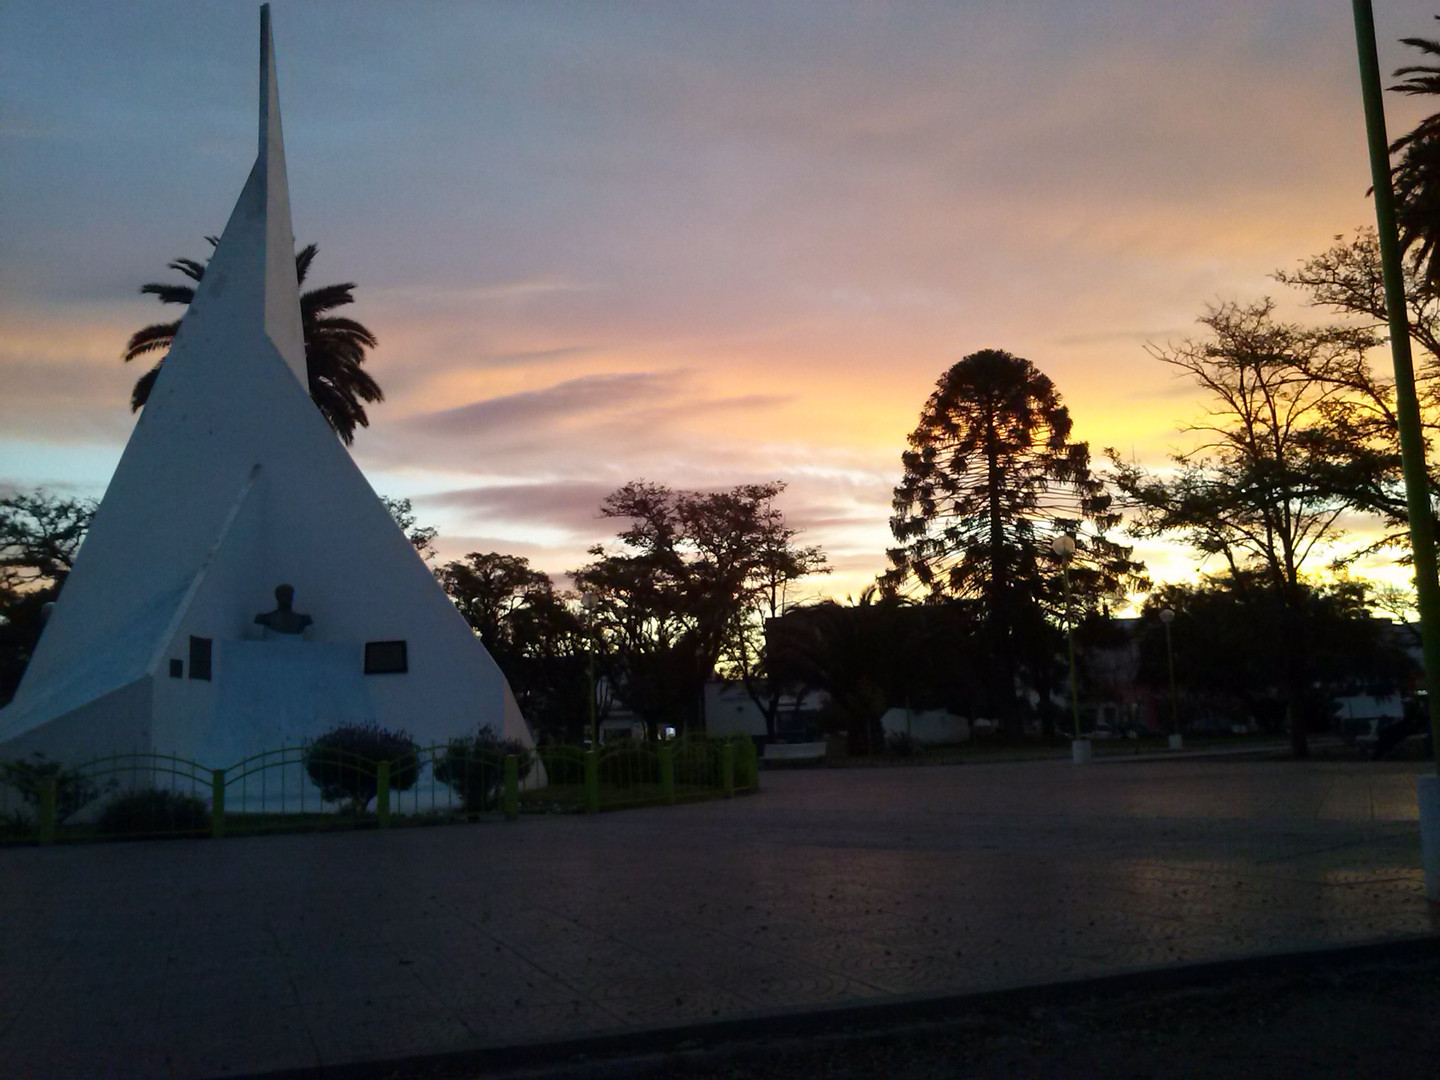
column 1427, row 791
column 1080, row 751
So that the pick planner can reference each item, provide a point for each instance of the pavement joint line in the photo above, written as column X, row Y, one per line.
column 894, row 1011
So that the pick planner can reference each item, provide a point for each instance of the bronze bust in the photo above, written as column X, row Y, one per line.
column 284, row 619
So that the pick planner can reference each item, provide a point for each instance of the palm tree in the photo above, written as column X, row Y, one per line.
column 1416, row 171
column 334, row 346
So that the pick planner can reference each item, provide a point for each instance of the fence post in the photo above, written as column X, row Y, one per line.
column 217, row 803
column 48, row 791
column 592, row 781
column 727, row 769
column 512, row 787
column 382, row 794
column 667, row 774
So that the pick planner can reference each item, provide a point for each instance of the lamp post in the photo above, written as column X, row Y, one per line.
column 589, row 601
column 1064, row 546
column 1176, row 742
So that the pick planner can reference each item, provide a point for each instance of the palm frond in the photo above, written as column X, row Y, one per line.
column 347, row 329
column 150, row 339
column 303, row 258
column 143, row 386
column 327, row 298
column 189, row 267
column 168, row 294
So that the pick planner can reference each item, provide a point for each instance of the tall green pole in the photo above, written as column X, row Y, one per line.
column 1407, row 408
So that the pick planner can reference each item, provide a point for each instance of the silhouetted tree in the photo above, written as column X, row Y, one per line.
column 695, row 571
column 1224, row 638
column 1346, row 278
column 536, row 635
column 1275, row 469
column 1416, row 169
column 881, row 651
column 40, row 535
column 991, row 477
column 335, row 347
column 489, row 589
column 421, row 537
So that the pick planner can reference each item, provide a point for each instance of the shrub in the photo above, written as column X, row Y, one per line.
column 697, row 762
column 474, row 768
column 72, row 789
column 154, row 810
column 16, row 825
column 342, row 763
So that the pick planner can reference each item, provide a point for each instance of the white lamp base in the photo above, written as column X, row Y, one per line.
column 1176, row 742
column 1080, row 751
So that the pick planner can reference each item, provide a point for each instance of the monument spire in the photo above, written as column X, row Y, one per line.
column 231, row 483
column 282, row 291
column 250, row 280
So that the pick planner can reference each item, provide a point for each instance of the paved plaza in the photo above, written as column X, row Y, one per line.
column 199, row 958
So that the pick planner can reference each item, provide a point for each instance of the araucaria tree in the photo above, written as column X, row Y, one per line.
column 991, row 478
column 1277, row 465
column 335, row 347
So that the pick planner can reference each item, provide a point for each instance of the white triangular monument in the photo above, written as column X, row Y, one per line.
column 232, row 484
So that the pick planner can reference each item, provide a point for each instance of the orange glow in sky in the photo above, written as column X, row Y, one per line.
column 696, row 244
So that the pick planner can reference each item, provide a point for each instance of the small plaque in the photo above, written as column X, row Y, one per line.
column 386, row 658
column 200, row 658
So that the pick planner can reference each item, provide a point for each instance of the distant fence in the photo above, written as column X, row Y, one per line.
column 310, row 787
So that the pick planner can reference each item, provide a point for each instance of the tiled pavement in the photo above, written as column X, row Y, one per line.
column 195, row 958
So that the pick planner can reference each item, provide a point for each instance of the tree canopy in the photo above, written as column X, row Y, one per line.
column 40, row 535
column 534, row 633
column 1280, row 458
column 692, row 576
column 1277, row 460
column 1415, row 170
column 991, row 477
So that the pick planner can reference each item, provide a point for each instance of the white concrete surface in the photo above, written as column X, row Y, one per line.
column 232, row 483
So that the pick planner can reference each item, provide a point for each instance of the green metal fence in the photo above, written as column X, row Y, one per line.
column 310, row 787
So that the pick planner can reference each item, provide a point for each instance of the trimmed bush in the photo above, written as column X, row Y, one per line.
column 474, row 768
column 697, row 761
column 154, row 810
column 342, row 763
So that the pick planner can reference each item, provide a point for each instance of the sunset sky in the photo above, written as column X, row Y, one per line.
column 696, row 243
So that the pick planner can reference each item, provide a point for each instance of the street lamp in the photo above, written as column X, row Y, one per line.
column 1176, row 742
column 1064, row 546
column 589, row 601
